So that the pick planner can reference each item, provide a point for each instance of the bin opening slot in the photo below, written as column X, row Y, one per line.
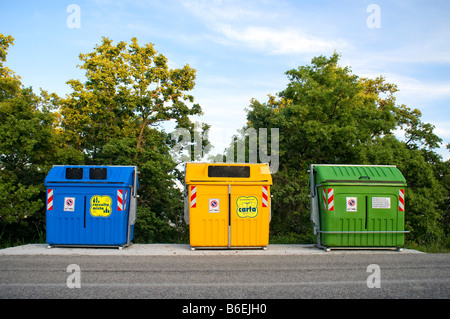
column 229, row 171
column 74, row 173
column 98, row 173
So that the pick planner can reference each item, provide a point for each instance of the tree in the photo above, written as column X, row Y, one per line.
column 327, row 114
column 128, row 90
column 114, row 119
column 28, row 144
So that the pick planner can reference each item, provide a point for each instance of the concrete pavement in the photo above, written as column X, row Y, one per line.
column 181, row 250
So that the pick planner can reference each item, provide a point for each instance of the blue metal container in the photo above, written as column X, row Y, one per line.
column 91, row 205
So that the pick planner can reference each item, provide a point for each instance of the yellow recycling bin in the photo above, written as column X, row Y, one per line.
column 228, row 205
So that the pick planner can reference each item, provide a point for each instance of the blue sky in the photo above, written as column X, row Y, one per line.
column 241, row 49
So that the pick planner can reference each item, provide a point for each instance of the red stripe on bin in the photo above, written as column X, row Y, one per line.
column 193, row 196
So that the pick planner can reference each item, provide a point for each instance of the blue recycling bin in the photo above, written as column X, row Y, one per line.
column 91, row 205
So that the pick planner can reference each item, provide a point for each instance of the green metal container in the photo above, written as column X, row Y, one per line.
column 358, row 205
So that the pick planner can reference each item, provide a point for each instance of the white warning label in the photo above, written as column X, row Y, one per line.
column 214, row 205
column 381, row 202
column 69, row 204
column 352, row 204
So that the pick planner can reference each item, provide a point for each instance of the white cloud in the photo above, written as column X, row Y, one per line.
column 424, row 91
column 443, row 130
column 410, row 90
column 277, row 41
column 220, row 10
column 240, row 23
column 417, row 93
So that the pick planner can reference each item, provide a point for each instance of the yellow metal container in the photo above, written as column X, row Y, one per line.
column 228, row 205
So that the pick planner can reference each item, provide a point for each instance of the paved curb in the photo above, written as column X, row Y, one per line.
column 185, row 250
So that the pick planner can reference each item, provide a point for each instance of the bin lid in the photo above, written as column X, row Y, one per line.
column 228, row 173
column 380, row 174
column 68, row 174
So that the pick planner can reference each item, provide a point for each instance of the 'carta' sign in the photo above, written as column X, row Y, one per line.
column 247, row 206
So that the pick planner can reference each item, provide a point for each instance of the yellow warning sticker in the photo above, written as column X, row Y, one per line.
column 247, row 206
column 101, row 206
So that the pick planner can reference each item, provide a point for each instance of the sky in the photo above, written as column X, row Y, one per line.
column 242, row 49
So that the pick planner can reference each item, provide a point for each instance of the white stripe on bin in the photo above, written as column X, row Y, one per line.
column 119, row 200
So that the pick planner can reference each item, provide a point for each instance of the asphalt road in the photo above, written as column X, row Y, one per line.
column 410, row 276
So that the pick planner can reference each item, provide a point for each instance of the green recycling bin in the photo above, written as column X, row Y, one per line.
column 358, row 205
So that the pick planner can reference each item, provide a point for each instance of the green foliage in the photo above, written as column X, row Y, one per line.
column 329, row 115
column 151, row 229
column 27, row 145
column 128, row 91
column 112, row 118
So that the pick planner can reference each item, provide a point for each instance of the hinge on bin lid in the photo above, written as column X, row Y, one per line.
column 133, row 198
column 313, row 200
column 136, row 172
